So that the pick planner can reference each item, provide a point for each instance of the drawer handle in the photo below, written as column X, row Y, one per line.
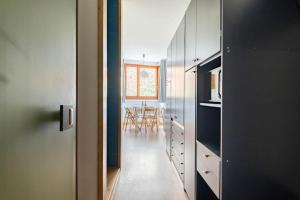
column 206, row 155
column 205, row 172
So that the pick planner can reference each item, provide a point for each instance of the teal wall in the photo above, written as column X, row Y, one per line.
column 113, row 82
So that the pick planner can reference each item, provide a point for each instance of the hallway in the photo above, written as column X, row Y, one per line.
column 146, row 174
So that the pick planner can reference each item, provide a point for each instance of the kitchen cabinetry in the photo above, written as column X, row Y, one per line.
column 173, row 77
column 190, row 133
column 203, row 31
column 179, row 73
column 238, row 137
column 167, row 113
column 208, row 146
column 208, row 40
column 174, row 118
column 190, row 35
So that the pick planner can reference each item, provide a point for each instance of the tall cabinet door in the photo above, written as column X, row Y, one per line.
column 190, row 133
column 167, row 114
column 179, row 73
column 208, row 28
column 173, row 78
column 190, row 35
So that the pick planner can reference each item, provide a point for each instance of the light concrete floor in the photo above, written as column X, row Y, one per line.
column 146, row 173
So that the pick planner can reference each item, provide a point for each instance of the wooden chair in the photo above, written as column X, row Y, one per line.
column 129, row 117
column 150, row 118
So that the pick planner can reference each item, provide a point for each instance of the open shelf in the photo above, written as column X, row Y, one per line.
column 208, row 111
column 209, row 127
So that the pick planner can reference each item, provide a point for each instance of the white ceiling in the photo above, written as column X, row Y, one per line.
column 148, row 27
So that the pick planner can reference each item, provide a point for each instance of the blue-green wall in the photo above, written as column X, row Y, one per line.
column 113, row 82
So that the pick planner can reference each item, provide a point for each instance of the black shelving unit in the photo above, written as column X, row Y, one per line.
column 208, row 112
column 208, row 126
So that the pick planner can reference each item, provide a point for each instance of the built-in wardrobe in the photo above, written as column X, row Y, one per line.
column 174, row 117
column 238, row 130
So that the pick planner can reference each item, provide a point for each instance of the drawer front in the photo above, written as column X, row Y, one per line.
column 208, row 166
column 179, row 166
column 178, row 155
column 178, row 146
column 208, row 158
column 178, row 137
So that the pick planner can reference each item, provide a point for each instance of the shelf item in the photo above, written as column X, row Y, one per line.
column 215, row 105
column 216, row 84
column 208, row 166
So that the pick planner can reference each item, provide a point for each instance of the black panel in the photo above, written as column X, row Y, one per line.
column 262, row 24
column 261, row 113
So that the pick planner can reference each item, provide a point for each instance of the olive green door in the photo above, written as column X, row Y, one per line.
column 37, row 75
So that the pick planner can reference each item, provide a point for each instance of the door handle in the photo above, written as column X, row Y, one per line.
column 71, row 116
column 66, row 117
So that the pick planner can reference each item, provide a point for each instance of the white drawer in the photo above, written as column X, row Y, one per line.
column 208, row 166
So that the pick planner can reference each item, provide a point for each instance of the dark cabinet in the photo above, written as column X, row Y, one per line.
column 179, row 73
column 190, row 35
column 208, row 40
column 261, row 86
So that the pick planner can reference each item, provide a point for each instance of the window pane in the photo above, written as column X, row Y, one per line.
column 148, row 82
column 131, row 81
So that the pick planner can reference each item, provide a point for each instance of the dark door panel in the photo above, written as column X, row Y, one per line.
column 260, row 133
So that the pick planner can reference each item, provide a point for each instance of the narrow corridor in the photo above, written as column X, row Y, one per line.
column 147, row 173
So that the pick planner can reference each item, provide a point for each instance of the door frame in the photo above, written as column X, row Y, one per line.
column 102, row 95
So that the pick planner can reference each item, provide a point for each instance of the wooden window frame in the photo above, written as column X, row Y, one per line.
column 138, row 67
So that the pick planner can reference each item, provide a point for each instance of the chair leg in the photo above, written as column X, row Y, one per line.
column 125, row 117
column 126, row 123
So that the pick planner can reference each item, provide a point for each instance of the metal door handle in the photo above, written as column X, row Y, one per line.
column 71, row 116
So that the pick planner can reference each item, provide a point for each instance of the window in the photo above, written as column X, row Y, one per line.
column 141, row 81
